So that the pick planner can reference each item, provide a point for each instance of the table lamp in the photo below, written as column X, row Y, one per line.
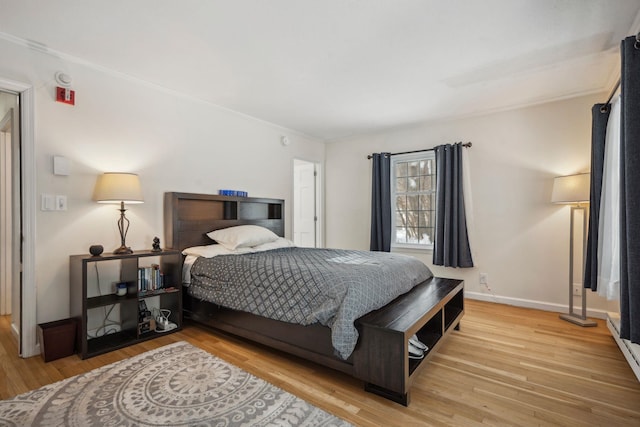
column 115, row 187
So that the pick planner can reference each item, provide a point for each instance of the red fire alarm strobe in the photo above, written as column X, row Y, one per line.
column 65, row 95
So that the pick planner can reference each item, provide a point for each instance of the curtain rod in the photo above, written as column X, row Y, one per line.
column 604, row 108
column 466, row 144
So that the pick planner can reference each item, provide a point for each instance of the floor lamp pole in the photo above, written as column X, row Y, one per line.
column 573, row 317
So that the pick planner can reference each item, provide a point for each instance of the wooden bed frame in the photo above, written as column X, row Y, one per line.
column 431, row 310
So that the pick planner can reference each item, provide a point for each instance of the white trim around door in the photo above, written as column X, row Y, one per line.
column 28, row 344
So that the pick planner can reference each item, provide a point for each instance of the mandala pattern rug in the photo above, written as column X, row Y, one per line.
column 175, row 385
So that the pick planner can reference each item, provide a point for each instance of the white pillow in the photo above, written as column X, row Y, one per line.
column 208, row 251
column 281, row 242
column 243, row 236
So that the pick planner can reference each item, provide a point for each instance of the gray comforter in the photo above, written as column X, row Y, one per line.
column 301, row 285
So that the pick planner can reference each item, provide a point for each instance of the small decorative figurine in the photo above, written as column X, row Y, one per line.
column 95, row 250
column 156, row 245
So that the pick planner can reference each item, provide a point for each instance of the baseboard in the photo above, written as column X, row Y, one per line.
column 16, row 336
column 525, row 303
column 15, row 333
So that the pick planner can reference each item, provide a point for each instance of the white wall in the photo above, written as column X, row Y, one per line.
column 121, row 124
column 181, row 144
column 519, row 238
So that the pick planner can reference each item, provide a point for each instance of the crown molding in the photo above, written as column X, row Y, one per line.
column 44, row 49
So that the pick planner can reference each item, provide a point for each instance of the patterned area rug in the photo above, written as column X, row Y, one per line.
column 175, row 385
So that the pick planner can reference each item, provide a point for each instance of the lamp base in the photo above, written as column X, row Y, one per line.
column 578, row 320
column 123, row 250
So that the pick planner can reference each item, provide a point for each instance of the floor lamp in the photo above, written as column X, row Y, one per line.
column 574, row 190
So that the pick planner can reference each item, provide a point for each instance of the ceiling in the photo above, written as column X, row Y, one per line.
column 335, row 68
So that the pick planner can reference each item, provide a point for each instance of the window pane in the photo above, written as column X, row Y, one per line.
column 426, row 167
column 414, row 169
column 412, row 218
column 425, row 219
column 401, row 185
column 426, row 202
column 412, row 184
column 423, row 167
column 426, row 183
column 412, row 235
column 426, row 236
column 401, row 203
column 401, row 235
column 413, row 203
column 401, row 169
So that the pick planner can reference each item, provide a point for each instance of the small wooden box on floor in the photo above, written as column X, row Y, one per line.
column 57, row 339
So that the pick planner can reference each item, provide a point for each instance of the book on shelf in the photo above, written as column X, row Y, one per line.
column 150, row 278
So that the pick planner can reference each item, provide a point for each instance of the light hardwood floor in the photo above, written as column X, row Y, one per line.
column 506, row 366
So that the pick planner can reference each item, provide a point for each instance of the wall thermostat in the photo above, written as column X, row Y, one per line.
column 60, row 165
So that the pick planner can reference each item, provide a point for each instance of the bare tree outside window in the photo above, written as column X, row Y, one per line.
column 413, row 199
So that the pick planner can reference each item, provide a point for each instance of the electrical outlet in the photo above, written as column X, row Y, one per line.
column 484, row 278
column 577, row 290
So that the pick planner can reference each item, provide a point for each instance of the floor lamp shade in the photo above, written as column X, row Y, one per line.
column 574, row 190
column 120, row 188
column 571, row 188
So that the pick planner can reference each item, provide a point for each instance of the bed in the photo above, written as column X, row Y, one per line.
column 381, row 356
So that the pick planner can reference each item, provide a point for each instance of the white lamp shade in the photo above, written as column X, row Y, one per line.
column 112, row 187
column 571, row 188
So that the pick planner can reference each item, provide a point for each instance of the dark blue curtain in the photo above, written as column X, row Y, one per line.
column 451, row 242
column 630, row 191
column 381, row 203
column 599, row 119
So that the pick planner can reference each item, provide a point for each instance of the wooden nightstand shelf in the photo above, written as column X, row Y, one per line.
column 87, row 305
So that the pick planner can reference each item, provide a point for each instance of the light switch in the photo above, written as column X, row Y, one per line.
column 47, row 202
column 61, row 203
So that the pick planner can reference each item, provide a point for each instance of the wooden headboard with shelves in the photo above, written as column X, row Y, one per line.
column 188, row 217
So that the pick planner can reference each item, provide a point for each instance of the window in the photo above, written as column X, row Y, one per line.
column 413, row 199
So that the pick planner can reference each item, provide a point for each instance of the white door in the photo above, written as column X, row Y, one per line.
column 6, row 213
column 23, row 309
column 10, row 285
column 304, row 204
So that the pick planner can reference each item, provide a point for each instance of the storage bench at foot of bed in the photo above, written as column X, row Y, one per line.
column 430, row 310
